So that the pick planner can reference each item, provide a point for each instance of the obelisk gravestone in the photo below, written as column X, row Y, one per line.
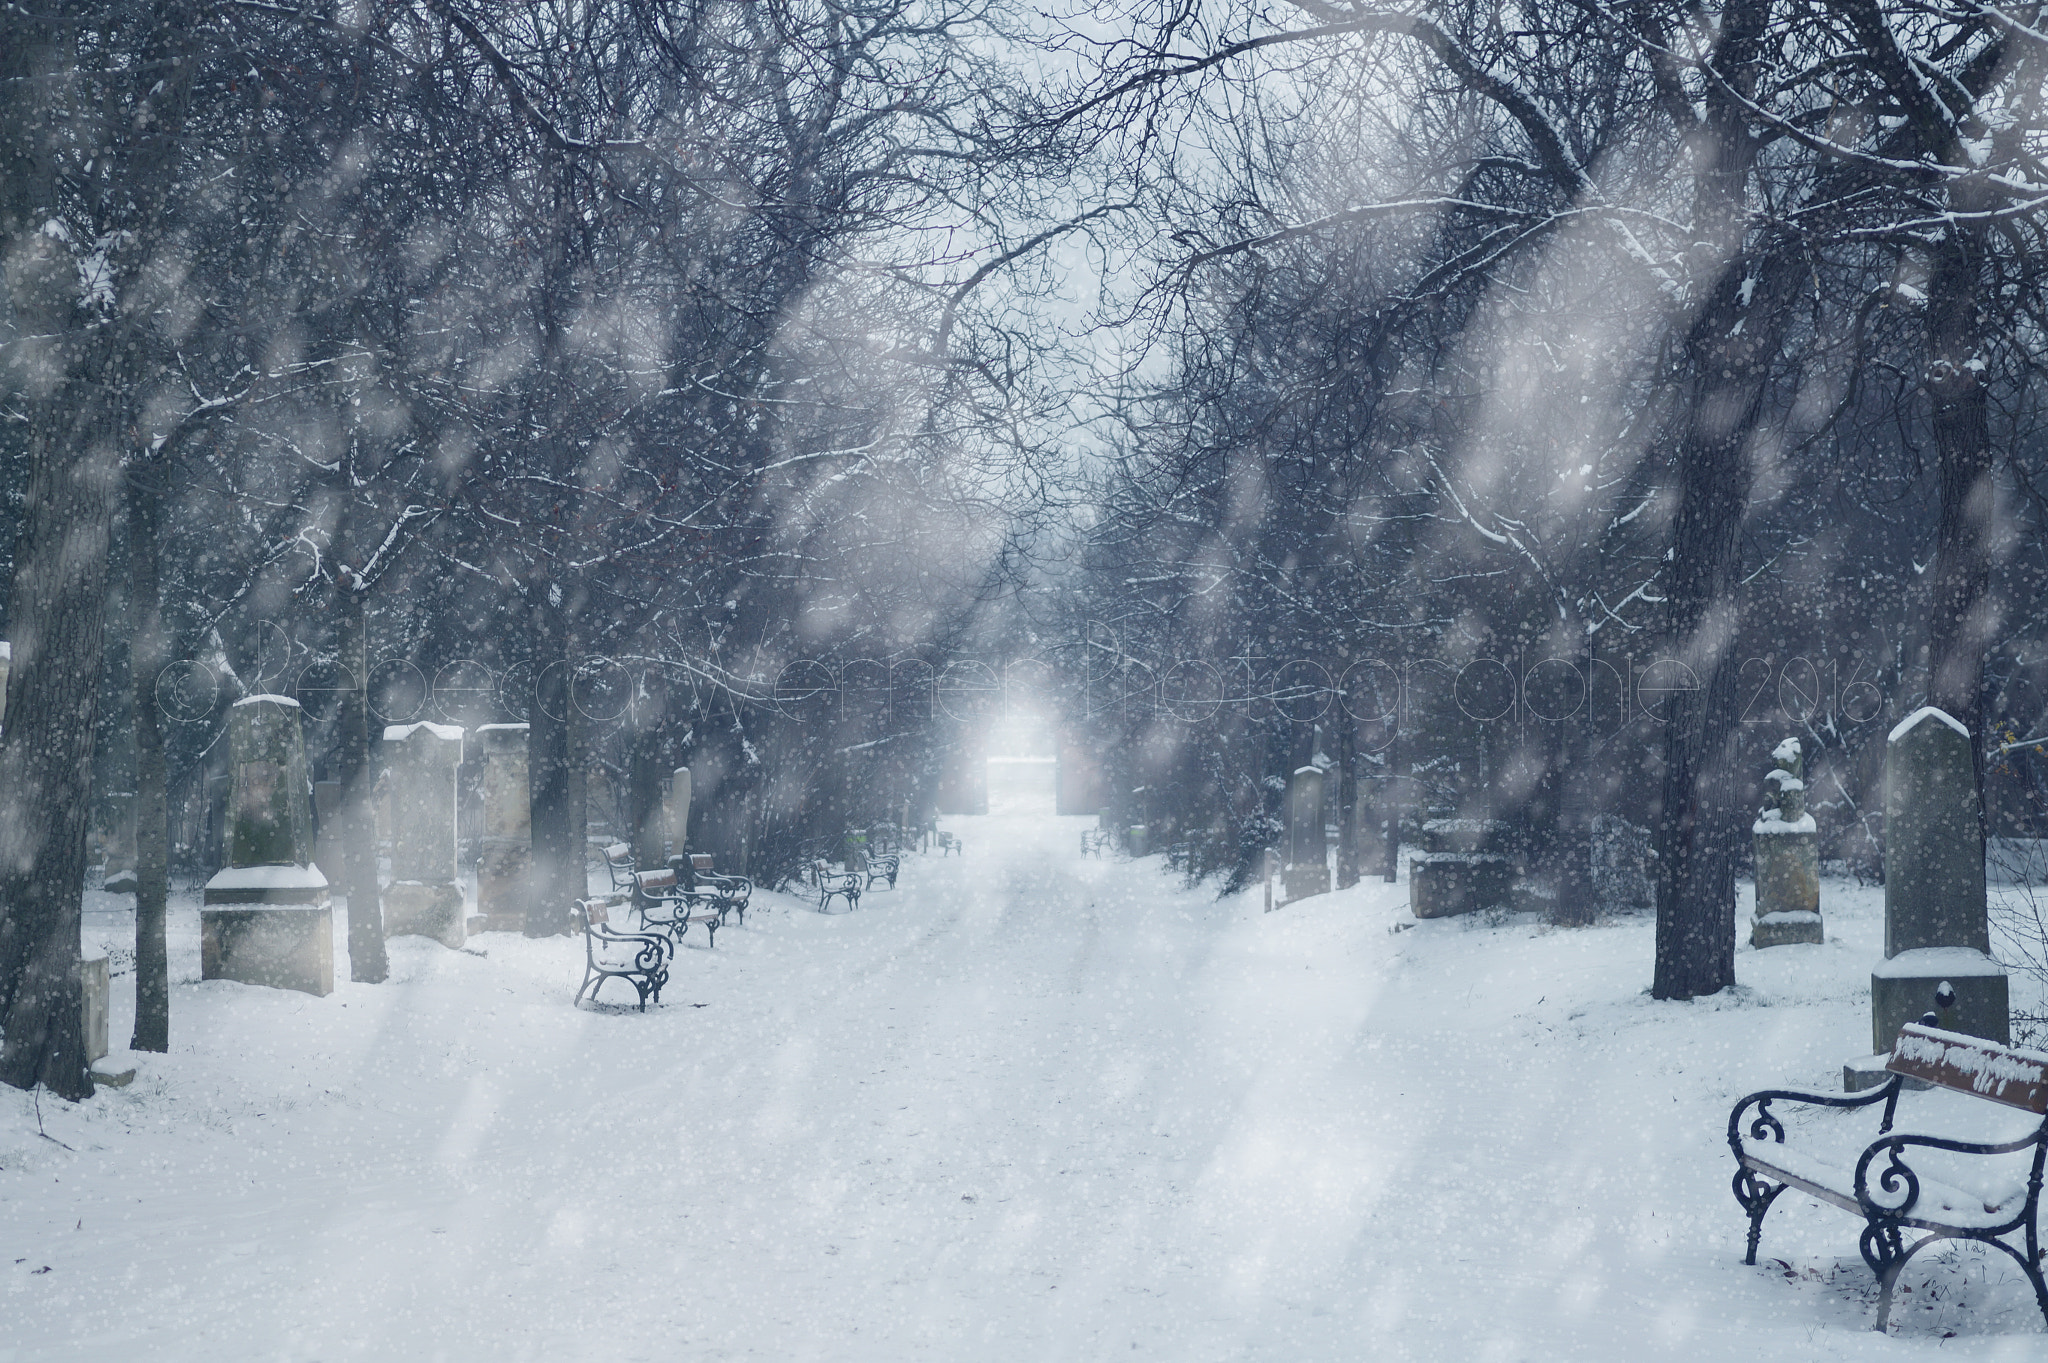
column 265, row 917
column 425, row 896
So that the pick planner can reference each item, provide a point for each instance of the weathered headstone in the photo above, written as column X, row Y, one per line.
column 265, row 917
column 96, row 988
column 675, row 808
column 1936, row 931
column 425, row 894
column 1462, row 868
column 1621, row 858
column 327, row 849
column 1787, row 848
column 1307, row 871
column 118, row 876
column 505, row 858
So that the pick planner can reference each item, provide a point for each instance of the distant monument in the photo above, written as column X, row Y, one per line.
column 1307, row 869
column 425, row 894
column 675, row 810
column 1937, row 937
column 505, row 860
column 265, row 917
column 1463, row 868
column 1787, row 857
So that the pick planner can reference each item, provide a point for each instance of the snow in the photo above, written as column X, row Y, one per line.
column 1028, row 1106
column 502, row 728
column 1905, row 726
column 1787, row 751
column 1927, row 962
column 268, row 878
column 1771, row 822
column 398, row 733
column 273, row 699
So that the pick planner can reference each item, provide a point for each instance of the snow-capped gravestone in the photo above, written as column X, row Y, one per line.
column 1462, row 868
column 675, row 809
column 1307, row 870
column 1787, row 857
column 1936, row 932
column 505, row 859
column 425, row 895
column 265, row 918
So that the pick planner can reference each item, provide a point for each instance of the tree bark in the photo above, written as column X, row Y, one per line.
column 152, row 817
column 368, row 962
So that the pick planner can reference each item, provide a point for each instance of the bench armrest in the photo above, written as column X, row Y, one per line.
column 1764, row 1123
column 1897, row 1174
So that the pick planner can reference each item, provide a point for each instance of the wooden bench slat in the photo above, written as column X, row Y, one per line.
column 1969, row 1064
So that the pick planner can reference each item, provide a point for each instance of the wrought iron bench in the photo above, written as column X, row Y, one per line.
column 619, row 863
column 880, row 866
column 830, row 883
column 663, row 904
column 949, row 844
column 639, row 958
column 1883, row 1187
column 732, row 892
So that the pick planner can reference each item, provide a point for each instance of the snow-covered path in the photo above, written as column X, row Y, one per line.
column 1027, row 1106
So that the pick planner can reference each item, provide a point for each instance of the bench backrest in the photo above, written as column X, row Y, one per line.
column 651, row 881
column 1970, row 1064
column 595, row 913
column 700, row 861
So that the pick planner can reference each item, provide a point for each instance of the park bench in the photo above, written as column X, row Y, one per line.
column 619, row 864
column 733, row 893
column 949, row 844
column 829, row 882
column 639, row 958
column 1093, row 840
column 880, row 866
column 661, row 902
column 1946, row 1186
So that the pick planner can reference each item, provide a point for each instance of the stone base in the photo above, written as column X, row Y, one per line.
column 280, row 947
column 504, row 885
column 1304, row 880
column 436, row 911
column 1903, row 988
column 1785, row 929
column 1441, row 884
column 1868, row 1072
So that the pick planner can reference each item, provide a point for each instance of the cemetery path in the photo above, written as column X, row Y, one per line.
column 1026, row 1106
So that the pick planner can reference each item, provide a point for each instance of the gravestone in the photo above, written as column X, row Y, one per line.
column 505, row 857
column 675, row 809
column 96, row 983
column 425, row 894
column 265, row 917
column 327, row 848
column 1307, row 870
column 1787, row 848
column 118, row 876
column 1936, row 931
column 1463, row 867
column 1622, row 882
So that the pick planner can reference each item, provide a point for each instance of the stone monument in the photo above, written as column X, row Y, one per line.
column 1937, row 937
column 425, row 894
column 505, row 858
column 327, row 846
column 1307, row 870
column 1461, row 868
column 675, row 811
column 1787, row 857
column 265, row 917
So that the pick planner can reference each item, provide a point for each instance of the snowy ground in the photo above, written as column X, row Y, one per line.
column 1025, row 1107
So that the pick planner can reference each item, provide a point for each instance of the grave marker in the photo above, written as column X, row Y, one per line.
column 425, row 894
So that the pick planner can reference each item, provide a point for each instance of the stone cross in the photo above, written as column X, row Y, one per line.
column 265, row 917
column 1307, row 871
column 1786, row 842
column 504, row 863
column 425, row 895
column 1935, row 928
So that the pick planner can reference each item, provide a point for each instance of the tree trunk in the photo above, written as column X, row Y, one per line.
column 152, row 818
column 547, row 769
column 368, row 963
column 1347, row 797
column 1961, row 617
